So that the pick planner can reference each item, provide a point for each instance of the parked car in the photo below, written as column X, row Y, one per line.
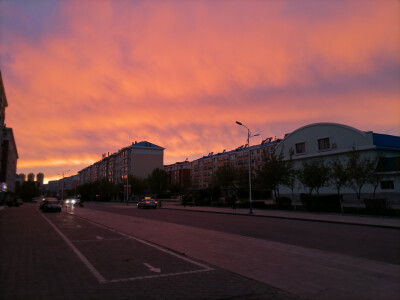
column 147, row 203
column 50, row 205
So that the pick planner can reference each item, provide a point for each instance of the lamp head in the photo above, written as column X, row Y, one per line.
column 237, row 122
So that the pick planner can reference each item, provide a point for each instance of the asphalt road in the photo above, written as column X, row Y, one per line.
column 375, row 243
column 62, row 256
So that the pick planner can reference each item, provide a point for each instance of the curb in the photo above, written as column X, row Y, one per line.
column 291, row 218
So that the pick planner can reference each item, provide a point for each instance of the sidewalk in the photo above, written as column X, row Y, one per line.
column 377, row 221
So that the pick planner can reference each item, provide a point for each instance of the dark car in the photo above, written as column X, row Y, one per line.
column 147, row 203
column 50, row 205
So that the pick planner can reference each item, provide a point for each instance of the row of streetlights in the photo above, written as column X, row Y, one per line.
column 248, row 144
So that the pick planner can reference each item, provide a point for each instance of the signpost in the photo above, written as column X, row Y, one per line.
column 127, row 191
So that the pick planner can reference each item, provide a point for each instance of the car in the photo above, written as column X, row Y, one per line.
column 147, row 203
column 72, row 201
column 50, row 205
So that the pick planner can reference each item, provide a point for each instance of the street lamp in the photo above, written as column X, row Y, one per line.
column 62, row 185
column 248, row 144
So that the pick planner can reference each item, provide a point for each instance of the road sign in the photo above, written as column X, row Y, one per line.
column 127, row 189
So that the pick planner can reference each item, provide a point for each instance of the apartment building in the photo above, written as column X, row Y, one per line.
column 204, row 168
column 138, row 159
column 8, row 147
column 179, row 173
column 325, row 141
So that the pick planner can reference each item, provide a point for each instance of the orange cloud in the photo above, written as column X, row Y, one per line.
column 180, row 74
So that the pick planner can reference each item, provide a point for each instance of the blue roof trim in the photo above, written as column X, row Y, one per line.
column 147, row 145
column 385, row 140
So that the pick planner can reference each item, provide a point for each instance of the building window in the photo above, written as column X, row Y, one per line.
column 324, row 144
column 300, row 148
column 387, row 185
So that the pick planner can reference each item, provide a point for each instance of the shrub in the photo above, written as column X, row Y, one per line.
column 283, row 202
column 326, row 203
column 376, row 206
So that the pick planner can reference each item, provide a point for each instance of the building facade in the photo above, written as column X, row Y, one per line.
column 204, row 169
column 9, row 159
column 179, row 173
column 8, row 147
column 331, row 141
column 138, row 159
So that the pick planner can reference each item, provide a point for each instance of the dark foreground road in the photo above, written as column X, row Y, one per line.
column 61, row 256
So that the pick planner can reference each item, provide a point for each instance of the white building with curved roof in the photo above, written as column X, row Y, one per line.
column 328, row 141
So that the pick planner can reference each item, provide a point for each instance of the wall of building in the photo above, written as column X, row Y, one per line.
column 138, row 159
column 340, row 141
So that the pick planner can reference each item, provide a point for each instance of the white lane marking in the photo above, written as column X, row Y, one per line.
column 152, row 269
column 170, row 252
column 78, row 226
column 102, row 280
column 158, row 275
column 88, row 265
column 99, row 237
column 95, row 241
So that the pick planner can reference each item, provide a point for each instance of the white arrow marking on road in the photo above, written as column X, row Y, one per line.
column 99, row 237
column 152, row 269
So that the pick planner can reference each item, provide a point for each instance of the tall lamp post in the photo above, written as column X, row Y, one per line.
column 62, row 185
column 248, row 144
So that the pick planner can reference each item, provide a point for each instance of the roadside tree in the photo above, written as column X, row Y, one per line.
column 361, row 171
column 314, row 175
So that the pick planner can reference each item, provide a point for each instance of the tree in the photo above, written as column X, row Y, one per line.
column 225, row 177
column 28, row 190
column 138, row 185
column 338, row 177
column 314, row 175
column 360, row 170
column 273, row 172
column 290, row 176
column 158, row 181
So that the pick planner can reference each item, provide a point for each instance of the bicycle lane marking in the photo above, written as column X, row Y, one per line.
column 85, row 261
column 102, row 279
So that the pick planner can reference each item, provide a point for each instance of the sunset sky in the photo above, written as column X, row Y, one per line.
column 84, row 78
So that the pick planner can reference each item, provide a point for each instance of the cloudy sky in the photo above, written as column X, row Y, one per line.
column 84, row 78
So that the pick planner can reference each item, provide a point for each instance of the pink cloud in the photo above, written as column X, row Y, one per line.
column 180, row 75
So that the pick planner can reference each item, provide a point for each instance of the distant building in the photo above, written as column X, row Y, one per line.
column 60, row 188
column 179, row 173
column 31, row 177
column 22, row 177
column 40, row 179
column 204, row 168
column 138, row 159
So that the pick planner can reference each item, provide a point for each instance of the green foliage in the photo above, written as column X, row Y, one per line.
column 273, row 172
column 225, row 177
column 360, row 170
column 158, row 181
column 314, row 175
column 27, row 190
